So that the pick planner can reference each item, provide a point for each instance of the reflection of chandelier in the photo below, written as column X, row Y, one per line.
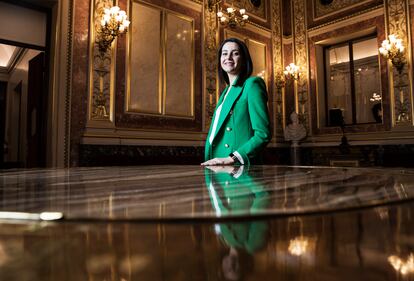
column 375, row 97
column 231, row 17
column 404, row 267
column 298, row 246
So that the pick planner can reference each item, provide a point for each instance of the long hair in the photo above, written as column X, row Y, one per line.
column 246, row 62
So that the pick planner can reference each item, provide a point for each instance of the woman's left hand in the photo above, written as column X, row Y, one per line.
column 218, row 161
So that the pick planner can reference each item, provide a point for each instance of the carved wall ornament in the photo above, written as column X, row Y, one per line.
column 277, row 45
column 400, row 80
column 325, row 7
column 210, row 62
column 101, row 96
column 300, row 37
column 253, row 7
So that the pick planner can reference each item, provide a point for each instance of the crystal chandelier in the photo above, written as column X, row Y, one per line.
column 232, row 17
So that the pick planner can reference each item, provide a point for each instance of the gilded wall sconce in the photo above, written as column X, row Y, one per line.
column 393, row 50
column 113, row 23
column 292, row 72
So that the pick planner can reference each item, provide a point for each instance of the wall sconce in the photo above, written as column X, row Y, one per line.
column 231, row 17
column 114, row 22
column 211, row 4
column 292, row 72
column 393, row 50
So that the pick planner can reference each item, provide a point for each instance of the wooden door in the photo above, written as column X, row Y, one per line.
column 36, row 113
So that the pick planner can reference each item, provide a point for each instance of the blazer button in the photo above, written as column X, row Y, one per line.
column 231, row 112
column 228, row 129
column 226, row 145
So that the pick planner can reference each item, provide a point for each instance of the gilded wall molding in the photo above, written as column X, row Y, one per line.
column 300, row 47
column 101, row 73
column 210, row 62
column 401, row 87
column 192, row 4
column 68, row 85
column 346, row 21
column 335, row 7
column 279, row 100
column 259, row 12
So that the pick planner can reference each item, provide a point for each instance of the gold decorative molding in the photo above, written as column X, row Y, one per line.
column 401, row 85
column 210, row 62
column 68, row 84
column 300, row 47
column 257, row 12
column 101, row 72
column 337, row 6
column 279, row 99
column 346, row 21
column 192, row 4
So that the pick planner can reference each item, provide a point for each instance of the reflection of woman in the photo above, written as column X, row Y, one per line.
column 235, row 192
column 240, row 126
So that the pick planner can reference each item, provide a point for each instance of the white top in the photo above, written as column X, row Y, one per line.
column 217, row 117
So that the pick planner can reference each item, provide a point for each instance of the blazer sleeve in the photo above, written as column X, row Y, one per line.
column 259, row 118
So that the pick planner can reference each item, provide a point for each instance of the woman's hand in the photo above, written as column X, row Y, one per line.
column 218, row 161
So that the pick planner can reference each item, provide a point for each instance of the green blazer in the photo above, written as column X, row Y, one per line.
column 243, row 124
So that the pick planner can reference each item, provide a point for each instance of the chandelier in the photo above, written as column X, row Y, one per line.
column 232, row 17
column 393, row 49
column 114, row 22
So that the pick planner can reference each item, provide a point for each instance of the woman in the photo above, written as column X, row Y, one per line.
column 240, row 127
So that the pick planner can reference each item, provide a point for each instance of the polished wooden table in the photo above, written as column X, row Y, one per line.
column 195, row 223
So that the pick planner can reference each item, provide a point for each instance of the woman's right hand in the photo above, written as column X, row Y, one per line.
column 218, row 161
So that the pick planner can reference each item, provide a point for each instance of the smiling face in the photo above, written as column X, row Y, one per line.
column 231, row 59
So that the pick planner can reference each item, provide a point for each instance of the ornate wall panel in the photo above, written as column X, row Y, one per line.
column 161, row 59
column 398, row 22
column 184, row 15
column 101, row 72
column 301, row 59
column 179, row 61
column 210, row 63
column 277, row 34
column 145, row 87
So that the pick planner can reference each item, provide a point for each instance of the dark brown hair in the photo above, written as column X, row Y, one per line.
column 246, row 65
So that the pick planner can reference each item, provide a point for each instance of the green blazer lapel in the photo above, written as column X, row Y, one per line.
column 234, row 93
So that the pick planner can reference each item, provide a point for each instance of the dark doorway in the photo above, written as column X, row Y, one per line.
column 3, row 101
column 36, row 113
